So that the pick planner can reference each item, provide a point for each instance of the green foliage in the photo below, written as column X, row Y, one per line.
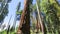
column 56, row 6
column 18, row 7
column 19, row 13
column 51, row 9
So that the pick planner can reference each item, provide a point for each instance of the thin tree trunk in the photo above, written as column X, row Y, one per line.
column 38, row 24
column 14, row 24
column 40, row 20
column 8, row 29
column 24, row 26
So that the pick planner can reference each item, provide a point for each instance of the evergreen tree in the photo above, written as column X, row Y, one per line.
column 25, row 18
column 3, row 10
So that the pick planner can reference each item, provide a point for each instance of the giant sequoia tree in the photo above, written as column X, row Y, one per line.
column 24, row 26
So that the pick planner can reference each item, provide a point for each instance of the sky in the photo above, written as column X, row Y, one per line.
column 12, row 11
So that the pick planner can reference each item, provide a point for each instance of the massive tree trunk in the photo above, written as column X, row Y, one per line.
column 24, row 26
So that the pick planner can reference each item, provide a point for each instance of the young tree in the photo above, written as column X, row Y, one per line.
column 42, row 24
column 14, row 24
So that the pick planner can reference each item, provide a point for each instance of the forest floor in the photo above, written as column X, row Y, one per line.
column 32, row 32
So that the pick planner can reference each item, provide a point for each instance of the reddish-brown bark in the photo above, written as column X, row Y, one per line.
column 24, row 26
